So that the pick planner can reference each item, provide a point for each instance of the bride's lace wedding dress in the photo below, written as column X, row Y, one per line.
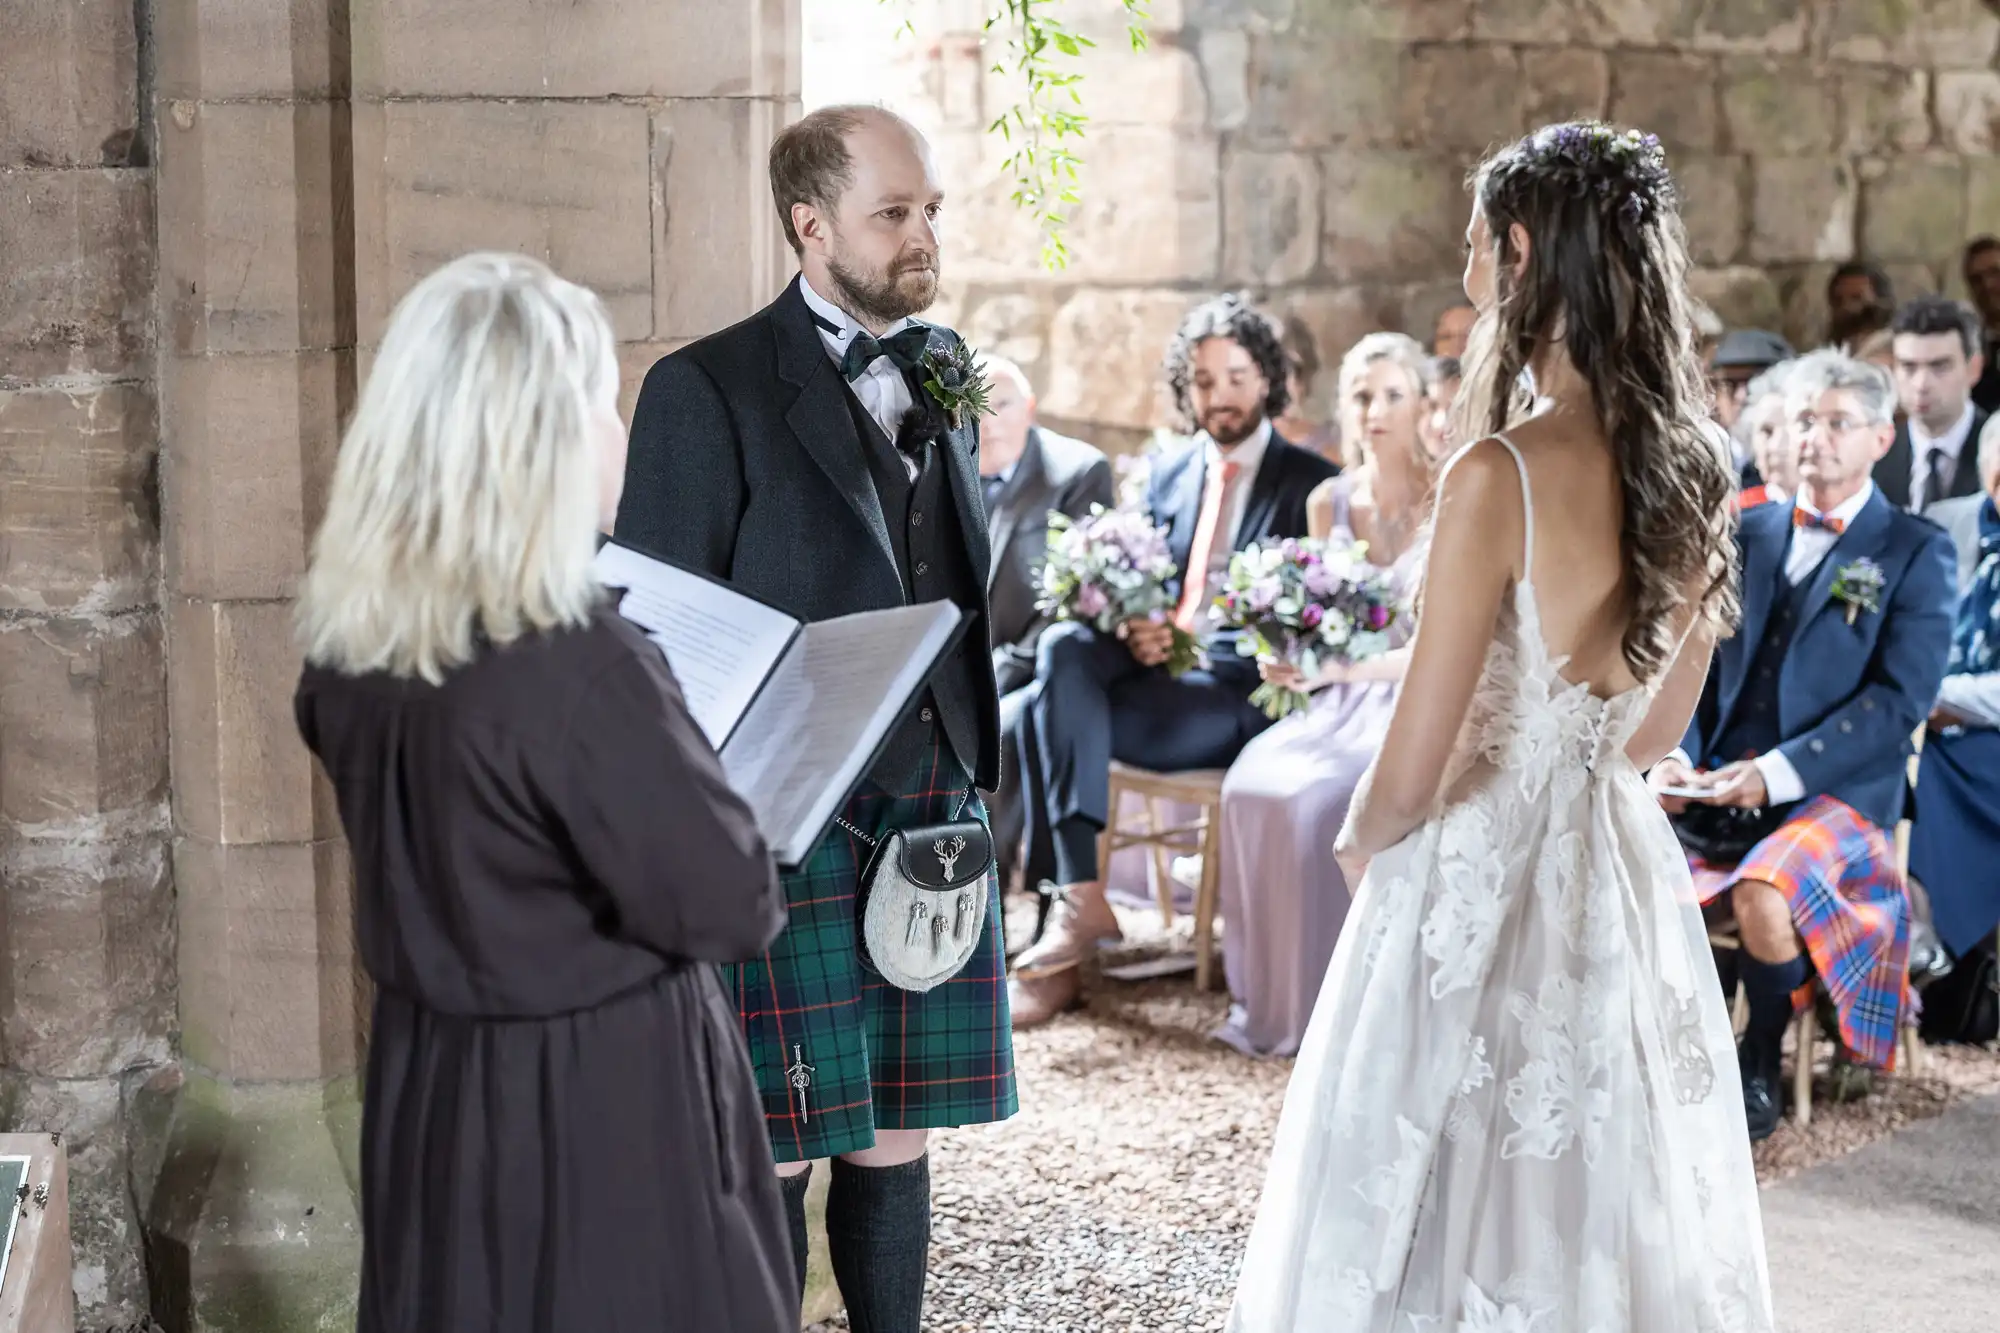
column 1517, row 1109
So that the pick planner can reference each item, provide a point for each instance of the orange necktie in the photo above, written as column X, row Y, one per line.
column 1194, row 581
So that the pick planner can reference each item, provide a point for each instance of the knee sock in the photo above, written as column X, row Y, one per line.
column 1769, row 987
column 878, row 1232
column 794, row 1189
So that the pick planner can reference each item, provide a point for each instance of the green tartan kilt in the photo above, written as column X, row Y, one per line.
column 872, row 1056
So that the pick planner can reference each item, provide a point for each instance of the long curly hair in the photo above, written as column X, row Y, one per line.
column 1606, row 278
column 1255, row 332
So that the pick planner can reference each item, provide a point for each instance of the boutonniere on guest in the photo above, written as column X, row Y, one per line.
column 952, row 379
column 1858, row 586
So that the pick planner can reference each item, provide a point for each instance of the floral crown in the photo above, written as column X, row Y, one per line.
column 1624, row 168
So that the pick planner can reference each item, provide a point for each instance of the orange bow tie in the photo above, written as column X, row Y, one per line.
column 1803, row 519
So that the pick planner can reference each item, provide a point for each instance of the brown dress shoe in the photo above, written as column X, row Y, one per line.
column 1034, row 1001
column 1076, row 925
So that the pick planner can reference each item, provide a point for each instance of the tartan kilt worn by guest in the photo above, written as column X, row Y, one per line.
column 839, row 1052
column 805, row 466
column 1846, row 626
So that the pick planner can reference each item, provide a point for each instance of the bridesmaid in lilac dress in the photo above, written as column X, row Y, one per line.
column 1282, row 897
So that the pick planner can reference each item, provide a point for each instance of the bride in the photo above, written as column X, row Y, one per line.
column 1516, row 1109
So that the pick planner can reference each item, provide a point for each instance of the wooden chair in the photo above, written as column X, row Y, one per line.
column 1805, row 1027
column 1151, row 828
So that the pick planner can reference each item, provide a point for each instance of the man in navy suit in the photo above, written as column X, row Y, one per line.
column 1099, row 697
column 1805, row 725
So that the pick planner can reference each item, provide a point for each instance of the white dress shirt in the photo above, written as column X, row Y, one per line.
column 883, row 390
column 1922, row 445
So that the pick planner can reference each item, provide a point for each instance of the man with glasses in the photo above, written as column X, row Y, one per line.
column 1937, row 359
column 1741, row 356
column 1797, row 749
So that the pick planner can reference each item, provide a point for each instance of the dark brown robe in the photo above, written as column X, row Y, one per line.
column 561, row 1133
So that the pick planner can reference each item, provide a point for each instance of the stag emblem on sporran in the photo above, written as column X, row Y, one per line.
column 948, row 851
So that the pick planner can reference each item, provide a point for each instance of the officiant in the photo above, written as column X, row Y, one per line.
column 823, row 455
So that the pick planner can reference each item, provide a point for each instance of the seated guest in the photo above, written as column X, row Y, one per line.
column 1878, row 349
column 1028, row 472
column 1981, row 270
column 1454, row 325
column 1099, row 697
column 1301, row 370
column 1955, row 839
column 1441, row 390
column 1741, row 357
column 1800, row 740
column 1860, row 301
column 1763, row 437
column 1283, row 897
column 1937, row 350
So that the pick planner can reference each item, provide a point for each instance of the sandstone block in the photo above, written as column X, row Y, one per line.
column 1151, row 211
column 1968, row 109
column 1742, row 298
column 1912, row 208
column 1673, row 96
column 1802, row 208
column 89, row 949
column 1224, row 54
column 1948, row 34
column 1607, row 23
column 78, row 499
column 1392, row 215
column 1982, row 196
column 564, row 182
column 1802, row 291
column 1313, row 89
column 215, row 50
column 1713, row 196
column 249, row 253
column 250, row 449
column 76, row 285
column 1411, row 21
column 1272, row 234
column 720, row 253
column 1104, row 356
column 1014, row 325
column 1778, row 108
column 1159, row 86
column 1467, row 98
column 83, row 721
column 267, row 966
column 1559, row 85
column 1776, row 27
column 69, row 85
column 241, row 774
column 573, row 49
column 1882, row 109
column 1337, row 318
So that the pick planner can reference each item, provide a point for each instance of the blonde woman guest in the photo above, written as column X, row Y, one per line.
column 1763, row 436
column 561, row 1131
column 1285, row 796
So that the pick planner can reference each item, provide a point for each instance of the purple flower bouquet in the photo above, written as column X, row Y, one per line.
column 1305, row 604
column 1111, row 567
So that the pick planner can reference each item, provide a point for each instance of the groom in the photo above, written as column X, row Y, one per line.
column 801, row 457
column 1800, row 740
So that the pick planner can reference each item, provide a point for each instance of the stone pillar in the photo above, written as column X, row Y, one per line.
column 1313, row 152
column 86, row 916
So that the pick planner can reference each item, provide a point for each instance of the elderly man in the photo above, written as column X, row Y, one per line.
column 1028, row 472
column 1938, row 360
column 1798, row 745
column 1741, row 357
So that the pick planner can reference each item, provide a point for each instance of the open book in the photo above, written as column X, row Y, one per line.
column 797, row 711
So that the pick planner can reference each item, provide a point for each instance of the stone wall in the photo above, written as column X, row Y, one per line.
column 207, row 210
column 1313, row 151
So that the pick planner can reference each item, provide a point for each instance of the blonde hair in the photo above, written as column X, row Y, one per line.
column 1402, row 350
column 465, row 499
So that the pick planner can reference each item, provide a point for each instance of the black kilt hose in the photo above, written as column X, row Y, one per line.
column 871, row 1056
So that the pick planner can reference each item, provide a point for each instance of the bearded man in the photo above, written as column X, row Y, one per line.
column 806, row 457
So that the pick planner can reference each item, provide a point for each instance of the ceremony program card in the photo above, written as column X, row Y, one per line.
column 796, row 710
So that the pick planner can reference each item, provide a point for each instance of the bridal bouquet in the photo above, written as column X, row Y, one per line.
column 1111, row 567
column 1305, row 604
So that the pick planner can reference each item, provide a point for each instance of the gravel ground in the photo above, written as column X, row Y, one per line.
column 1120, row 1198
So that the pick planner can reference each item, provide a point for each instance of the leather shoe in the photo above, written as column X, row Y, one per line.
column 1033, row 1001
column 1076, row 925
column 1763, row 1090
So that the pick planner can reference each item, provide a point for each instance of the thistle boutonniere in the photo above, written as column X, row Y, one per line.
column 951, row 377
column 1858, row 586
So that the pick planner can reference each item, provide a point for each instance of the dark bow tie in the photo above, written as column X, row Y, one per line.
column 1803, row 519
column 905, row 349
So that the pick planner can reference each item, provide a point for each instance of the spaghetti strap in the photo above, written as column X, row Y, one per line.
column 1527, row 510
